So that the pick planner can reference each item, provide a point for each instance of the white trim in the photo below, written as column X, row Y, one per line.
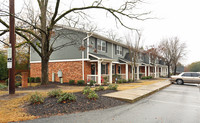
column 88, row 48
column 94, row 56
column 64, row 60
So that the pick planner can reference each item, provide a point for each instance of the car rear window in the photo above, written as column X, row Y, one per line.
column 187, row 74
column 195, row 75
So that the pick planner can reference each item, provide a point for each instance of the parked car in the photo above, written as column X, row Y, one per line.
column 186, row 77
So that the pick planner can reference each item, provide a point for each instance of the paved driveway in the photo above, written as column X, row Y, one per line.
column 174, row 104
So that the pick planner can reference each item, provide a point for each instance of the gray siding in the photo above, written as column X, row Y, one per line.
column 67, row 52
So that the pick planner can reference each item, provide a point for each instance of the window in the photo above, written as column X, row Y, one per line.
column 113, row 69
column 104, row 68
column 119, row 50
column 101, row 45
column 187, row 74
column 195, row 75
column 119, row 69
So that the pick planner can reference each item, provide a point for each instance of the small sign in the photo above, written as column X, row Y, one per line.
column 9, row 64
column 9, row 59
column 9, row 52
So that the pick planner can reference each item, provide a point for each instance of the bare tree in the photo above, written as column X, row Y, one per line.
column 173, row 51
column 165, row 48
column 45, row 22
column 178, row 52
column 134, row 49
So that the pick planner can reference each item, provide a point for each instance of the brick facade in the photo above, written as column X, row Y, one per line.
column 71, row 70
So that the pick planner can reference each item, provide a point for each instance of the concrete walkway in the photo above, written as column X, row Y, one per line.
column 133, row 95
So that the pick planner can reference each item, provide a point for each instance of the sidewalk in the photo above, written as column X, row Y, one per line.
column 135, row 94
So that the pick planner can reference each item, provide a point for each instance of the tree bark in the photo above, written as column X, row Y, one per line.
column 175, row 67
column 168, row 71
column 45, row 71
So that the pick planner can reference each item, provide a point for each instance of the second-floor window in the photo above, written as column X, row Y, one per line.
column 101, row 45
column 119, row 50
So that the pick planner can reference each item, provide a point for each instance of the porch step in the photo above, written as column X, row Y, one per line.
column 133, row 95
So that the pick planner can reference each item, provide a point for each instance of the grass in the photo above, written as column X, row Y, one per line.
column 2, row 86
column 33, row 84
column 12, row 110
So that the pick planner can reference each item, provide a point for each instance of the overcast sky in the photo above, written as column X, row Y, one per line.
column 179, row 18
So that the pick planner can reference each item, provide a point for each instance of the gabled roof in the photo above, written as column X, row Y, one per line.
column 93, row 34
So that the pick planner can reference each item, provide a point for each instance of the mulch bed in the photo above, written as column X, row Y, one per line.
column 51, row 107
column 39, row 87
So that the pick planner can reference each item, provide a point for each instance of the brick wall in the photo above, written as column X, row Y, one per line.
column 70, row 70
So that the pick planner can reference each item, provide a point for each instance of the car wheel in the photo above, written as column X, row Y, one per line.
column 179, row 82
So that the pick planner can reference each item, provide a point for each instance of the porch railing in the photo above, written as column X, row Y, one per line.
column 92, row 77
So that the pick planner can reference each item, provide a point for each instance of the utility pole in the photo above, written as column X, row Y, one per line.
column 12, row 42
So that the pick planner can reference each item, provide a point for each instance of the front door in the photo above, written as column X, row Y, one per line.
column 93, row 69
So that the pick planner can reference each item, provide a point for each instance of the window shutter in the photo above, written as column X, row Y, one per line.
column 115, row 49
column 115, row 68
column 122, row 51
column 96, row 44
column 106, row 46
column 106, row 68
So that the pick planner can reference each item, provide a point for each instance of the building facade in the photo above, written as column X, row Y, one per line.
column 93, row 57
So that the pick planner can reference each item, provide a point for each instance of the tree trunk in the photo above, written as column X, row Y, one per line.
column 175, row 70
column 45, row 71
column 168, row 71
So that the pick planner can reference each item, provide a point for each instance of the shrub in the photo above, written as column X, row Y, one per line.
column 150, row 77
column 37, row 79
column 31, row 79
column 130, row 80
column 124, row 81
column 66, row 97
column 119, row 81
column 36, row 98
column 105, row 83
column 80, row 82
column 55, row 93
column 92, row 95
column 112, row 87
column 100, row 88
column 92, row 82
column 86, row 90
column 71, row 82
column 144, row 78
column 2, row 86
column 18, row 84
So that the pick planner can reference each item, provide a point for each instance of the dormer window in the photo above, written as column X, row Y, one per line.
column 119, row 50
column 101, row 45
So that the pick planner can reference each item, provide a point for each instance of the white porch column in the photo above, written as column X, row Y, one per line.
column 161, row 70
column 110, row 73
column 149, row 67
column 127, row 72
column 155, row 73
column 138, row 77
column 145, row 70
column 99, row 72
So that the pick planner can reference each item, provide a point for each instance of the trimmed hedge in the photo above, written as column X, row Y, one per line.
column 80, row 82
column 71, row 82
